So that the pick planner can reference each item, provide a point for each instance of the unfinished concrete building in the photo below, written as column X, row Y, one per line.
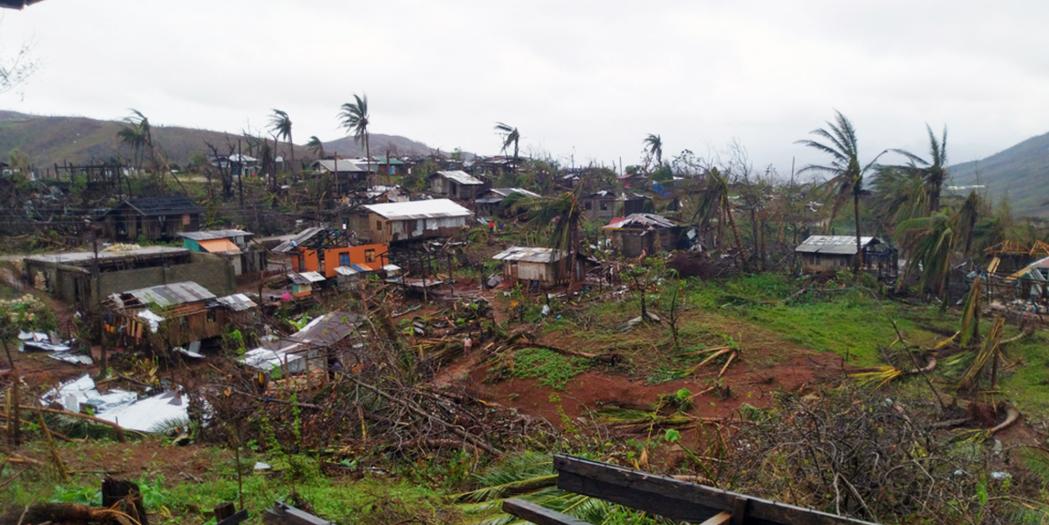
column 72, row 278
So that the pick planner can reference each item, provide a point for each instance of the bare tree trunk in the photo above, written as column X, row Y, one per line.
column 859, row 259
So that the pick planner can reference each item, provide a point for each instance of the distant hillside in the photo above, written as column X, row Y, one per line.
column 50, row 140
column 1021, row 172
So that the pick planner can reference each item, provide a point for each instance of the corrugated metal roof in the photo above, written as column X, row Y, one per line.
column 327, row 329
column 237, row 302
column 343, row 165
column 164, row 295
column 352, row 269
column 80, row 257
column 641, row 220
column 529, row 254
column 461, row 177
column 426, row 209
column 206, row 235
column 833, row 244
column 305, row 277
column 298, row 239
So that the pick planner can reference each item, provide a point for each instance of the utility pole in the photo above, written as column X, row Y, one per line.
column 240, row 174
column 96, row 314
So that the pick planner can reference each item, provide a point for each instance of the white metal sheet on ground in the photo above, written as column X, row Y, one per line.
column 151, row 413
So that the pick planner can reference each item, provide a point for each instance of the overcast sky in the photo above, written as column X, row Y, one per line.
column 588, row 78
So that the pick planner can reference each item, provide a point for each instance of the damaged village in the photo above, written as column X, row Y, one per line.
column 212, row 327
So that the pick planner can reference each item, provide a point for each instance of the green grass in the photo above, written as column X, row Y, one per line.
column 368, row 500
column 547, row 366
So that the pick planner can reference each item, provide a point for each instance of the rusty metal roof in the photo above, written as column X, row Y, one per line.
column 78, row 258
column 163, row 295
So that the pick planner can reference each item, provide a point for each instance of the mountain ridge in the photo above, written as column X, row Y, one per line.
column 49, row 140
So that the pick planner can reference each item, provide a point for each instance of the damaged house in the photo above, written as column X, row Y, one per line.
column 233, row 245
column 173, row 315
column 323, row 250
column 456, row 185
column 412, row 220
column 150, row 218
column 535, row 266
column 324, row 343
column 494, row 202
column 821, row 253
column 71, row 276
column 347, row 174
column 640, row 234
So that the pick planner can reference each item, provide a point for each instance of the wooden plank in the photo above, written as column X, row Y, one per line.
column 678, row 500
column 537, row 514
column 720, row 518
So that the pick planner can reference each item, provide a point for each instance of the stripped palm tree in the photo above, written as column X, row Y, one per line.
column 934, row 170
column 355, row 119
column 511, row 137
column 714, row 202
column 845, row 169
column 898, row 195
column 280, row 126
column 654, row 146
column 316, row 146
column 131, row 135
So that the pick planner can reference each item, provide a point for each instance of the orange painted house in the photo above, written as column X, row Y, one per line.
column 322, row 250
column 326, row 260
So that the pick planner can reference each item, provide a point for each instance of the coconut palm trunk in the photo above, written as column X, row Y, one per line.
column 858, row 261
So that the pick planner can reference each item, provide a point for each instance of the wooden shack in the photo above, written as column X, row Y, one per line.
column 824, row 253
column 169, row 315
column 533, row 265
column 412, row 220
column 640, row 234
column 150, row 218
column 456, row 185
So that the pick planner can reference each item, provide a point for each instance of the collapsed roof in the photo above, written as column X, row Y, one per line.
column 640, row 221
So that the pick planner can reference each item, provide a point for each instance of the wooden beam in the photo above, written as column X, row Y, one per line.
column 537, row 514
column 720, row 518
column 679, row 500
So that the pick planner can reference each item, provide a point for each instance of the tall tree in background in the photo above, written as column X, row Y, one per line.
column 564, row 213
column 934, row 170
column 846, row 172
column 654, row 146
column 137, row 132
column 280, row 126
column 355, row 119
column 511, row 137
column 316, row 146
column 714, row 202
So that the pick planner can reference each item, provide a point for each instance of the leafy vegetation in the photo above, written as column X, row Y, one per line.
column 547, row 366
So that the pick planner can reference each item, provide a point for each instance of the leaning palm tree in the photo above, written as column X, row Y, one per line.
column 355, row 119
column 511, row 137
column 929, row 243
column 280, row 126
column 845, row 169
column 654, row 146
column 131, row 135
column 316, row 146
column 934, row 170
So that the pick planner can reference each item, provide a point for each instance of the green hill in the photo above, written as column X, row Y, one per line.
column 50, row 140
column 1021, row 172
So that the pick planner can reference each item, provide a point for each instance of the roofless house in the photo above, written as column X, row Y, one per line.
column 151, row 218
